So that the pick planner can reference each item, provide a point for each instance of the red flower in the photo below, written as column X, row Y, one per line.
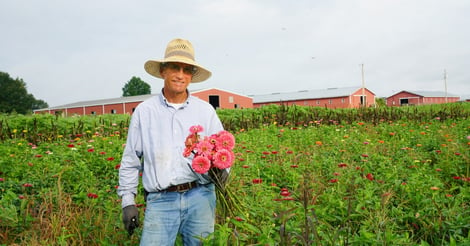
column 285, row 192
column 92, row 195
column 91, row 150
column 370, row 177
column 239, row 219
column 110, row 159
column 333, row 180
column 257, row 181
column 27, row 185
column 342, row 165
column 117, row 166
column 70, row 145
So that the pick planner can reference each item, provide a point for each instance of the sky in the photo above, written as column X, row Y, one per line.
column 72, row 51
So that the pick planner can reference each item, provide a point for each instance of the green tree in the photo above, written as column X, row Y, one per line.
column 135, row 87
column 14, row 96
column 380, row 102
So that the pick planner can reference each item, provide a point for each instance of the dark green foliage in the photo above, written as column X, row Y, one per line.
column 14, row 97
column 135, row 87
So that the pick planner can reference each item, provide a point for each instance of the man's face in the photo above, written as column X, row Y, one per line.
column 177, row 76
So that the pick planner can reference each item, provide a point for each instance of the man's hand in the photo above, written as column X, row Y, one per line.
column 219, row 177
column 130, row 217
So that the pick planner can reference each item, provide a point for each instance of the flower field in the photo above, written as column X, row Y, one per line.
column 315, row 182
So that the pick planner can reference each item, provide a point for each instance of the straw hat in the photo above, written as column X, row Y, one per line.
column 178, row 50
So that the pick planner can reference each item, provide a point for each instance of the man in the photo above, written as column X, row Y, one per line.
column 178, row 200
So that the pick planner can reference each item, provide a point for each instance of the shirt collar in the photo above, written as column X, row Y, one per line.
column 165, row 101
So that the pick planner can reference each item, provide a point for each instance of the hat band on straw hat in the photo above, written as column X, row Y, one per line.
column 179, row 53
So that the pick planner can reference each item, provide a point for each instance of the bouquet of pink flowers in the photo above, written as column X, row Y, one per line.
column 209, row 151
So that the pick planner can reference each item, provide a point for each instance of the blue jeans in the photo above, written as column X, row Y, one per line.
column 190, row 213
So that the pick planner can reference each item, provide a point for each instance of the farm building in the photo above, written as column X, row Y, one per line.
column 405, row 98
column 126, row 105
column 348, row 97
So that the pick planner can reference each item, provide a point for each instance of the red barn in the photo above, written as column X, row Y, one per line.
column 405, row 98
column 349, row 97
column 126, row 105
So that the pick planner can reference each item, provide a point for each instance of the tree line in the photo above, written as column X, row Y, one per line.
column 14, row 96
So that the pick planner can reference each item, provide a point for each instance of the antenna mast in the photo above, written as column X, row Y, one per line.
column 445, row 83
column 363, row 86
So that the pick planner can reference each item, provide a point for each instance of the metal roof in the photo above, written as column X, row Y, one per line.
column 117, row 100
column 306, row 94
column 431, row 93
column 100, row 102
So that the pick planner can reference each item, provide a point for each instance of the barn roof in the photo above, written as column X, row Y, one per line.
column 430, row 93
column 117, row 100
column 306, row 94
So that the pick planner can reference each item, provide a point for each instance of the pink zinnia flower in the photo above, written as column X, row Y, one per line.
column 204, row 148
column 196, row 129
column 223, row 159
column 201, row 164
column 187, row 152
column 225, row 141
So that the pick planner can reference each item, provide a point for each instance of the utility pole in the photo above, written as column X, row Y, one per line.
column 445, row 83
column 363, row 86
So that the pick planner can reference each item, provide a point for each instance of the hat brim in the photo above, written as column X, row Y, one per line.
column 153, row 68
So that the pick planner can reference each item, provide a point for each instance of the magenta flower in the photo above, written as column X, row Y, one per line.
column 201, row 164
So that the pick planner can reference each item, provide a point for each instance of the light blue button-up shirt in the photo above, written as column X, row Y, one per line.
column 156, row 141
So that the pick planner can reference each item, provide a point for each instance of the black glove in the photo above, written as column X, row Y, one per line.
column 130, row 217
